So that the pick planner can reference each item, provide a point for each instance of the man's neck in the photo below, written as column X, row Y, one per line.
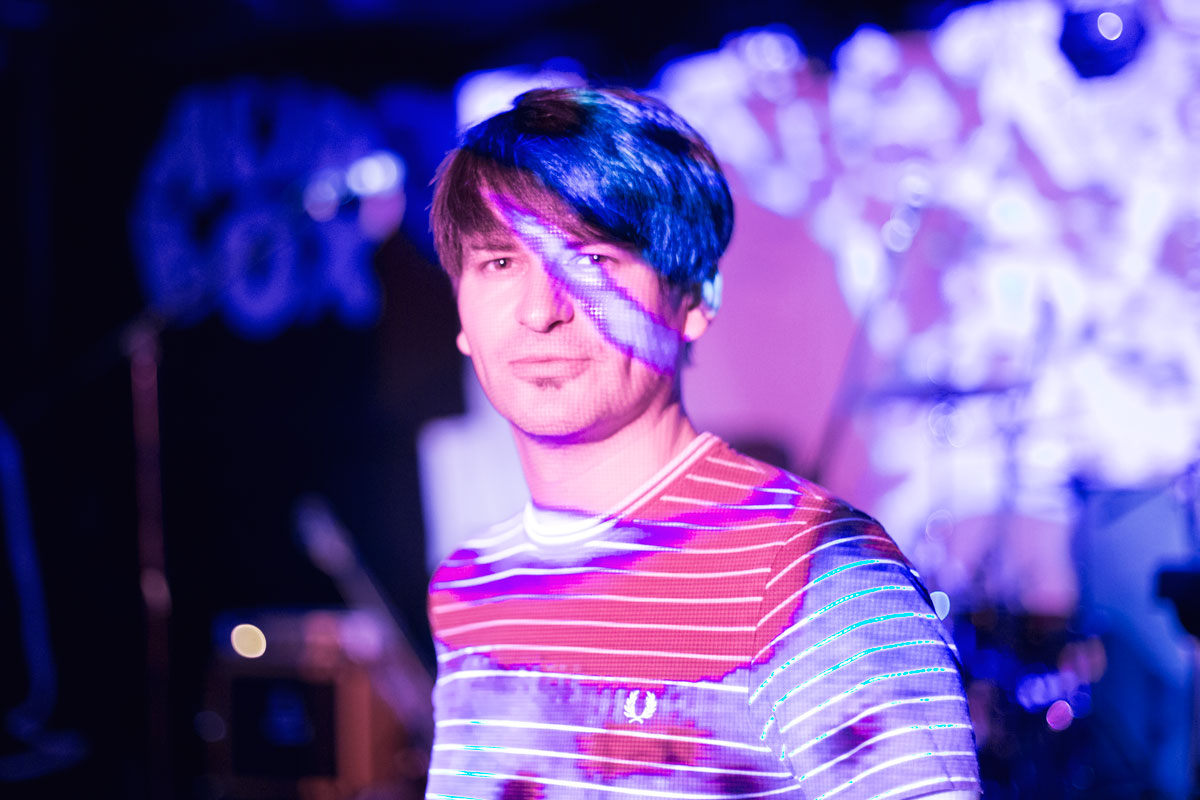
column 593, row 476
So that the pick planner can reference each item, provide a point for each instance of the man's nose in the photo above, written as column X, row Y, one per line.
column 545, row 302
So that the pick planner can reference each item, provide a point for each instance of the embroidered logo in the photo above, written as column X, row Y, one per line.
column 631, row 703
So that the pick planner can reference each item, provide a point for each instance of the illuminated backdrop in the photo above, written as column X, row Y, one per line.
column 963, row 289
column 963, row 276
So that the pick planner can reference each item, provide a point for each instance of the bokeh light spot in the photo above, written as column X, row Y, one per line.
column 323, row 196
column 209, row 726
column 1059, row 715
column 375, row 174
column 771, row 51
column 940, row 524
column 941, row 603
column 1110, row 26
column 248, row 641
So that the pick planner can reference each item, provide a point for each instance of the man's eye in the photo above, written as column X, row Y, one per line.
column 595, row 259
column 497, row 264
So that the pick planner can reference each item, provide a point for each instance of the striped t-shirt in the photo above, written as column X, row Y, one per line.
column 731, row 631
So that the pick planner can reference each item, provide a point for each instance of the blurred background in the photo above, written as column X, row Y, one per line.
column 235, row 436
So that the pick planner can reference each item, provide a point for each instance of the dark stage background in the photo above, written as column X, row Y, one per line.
column 309, row 389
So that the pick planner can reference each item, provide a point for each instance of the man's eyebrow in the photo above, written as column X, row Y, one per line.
column 490, row 242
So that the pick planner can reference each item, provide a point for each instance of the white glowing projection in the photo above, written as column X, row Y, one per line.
column 1054, row 220
column 485, row 94
column 719, row 93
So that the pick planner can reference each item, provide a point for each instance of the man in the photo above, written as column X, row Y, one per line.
column 667, row 618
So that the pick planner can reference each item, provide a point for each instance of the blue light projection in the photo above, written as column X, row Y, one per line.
column 262, row 201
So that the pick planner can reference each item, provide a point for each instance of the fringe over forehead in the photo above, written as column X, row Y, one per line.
column 606, row 164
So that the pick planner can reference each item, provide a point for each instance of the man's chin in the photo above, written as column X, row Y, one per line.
column 554, row 431
column 550, row 434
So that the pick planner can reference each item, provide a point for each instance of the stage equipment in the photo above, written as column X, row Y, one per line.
column 1180, row 583
column 49, row 751
column 318, row 705
column 305, row 720
column 1145, row 705
column 1029, row 682
column 398, row 674
column 141, row 345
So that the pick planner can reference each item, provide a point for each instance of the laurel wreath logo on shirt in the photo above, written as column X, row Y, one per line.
column 631, row 703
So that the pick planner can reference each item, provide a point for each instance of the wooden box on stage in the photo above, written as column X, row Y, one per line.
column 315, row 716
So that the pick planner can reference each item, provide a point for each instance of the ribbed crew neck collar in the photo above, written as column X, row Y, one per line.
column 553, row 526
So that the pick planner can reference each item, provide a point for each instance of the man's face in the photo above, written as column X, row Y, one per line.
column 571, row 340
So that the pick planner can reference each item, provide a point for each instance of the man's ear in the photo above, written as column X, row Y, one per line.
column 464, row 346
column 697, row 319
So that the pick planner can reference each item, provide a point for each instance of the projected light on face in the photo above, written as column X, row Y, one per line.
column 573, row 338
column 582, row 230
column 628, row 326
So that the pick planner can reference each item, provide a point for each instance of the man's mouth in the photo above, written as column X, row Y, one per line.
column 539, row 368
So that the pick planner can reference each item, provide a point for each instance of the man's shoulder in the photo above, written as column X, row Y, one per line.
column 803, row 520
column 725, row 476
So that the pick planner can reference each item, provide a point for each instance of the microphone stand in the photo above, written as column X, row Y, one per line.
column 141, row 347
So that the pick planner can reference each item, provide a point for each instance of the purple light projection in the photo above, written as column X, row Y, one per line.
column 620, row 319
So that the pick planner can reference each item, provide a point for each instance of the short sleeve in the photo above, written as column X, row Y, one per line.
column 855, row 683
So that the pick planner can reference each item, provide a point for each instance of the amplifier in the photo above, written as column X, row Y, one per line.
column 295, row 709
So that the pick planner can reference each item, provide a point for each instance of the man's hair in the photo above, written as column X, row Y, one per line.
column 626, row 166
